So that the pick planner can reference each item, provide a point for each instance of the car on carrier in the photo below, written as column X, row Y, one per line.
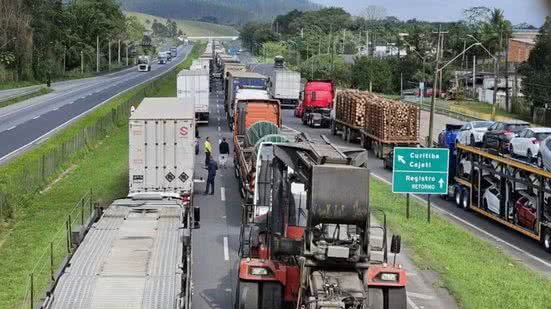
column 500, row 134
column 527, row 143
column 471, row 133
column 525, row 211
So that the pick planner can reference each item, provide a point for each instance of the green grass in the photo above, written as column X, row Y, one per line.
column 102, row 168
column 476, row 273
column 480, row 107
column 41, row 91
column 12, row 84
column 189, row 27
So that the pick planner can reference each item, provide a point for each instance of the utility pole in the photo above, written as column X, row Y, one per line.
column 81, row 62
column 97, row 54
column 474, row 77
column 110, row 55
column 496, row 75
column 126, row 54
column 401, row 86
column 343, row 38
column 507, row 97
column 119, row 53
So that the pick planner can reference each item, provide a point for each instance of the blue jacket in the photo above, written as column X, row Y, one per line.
column 212, row 167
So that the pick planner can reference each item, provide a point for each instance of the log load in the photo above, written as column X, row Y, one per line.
column 387, row 120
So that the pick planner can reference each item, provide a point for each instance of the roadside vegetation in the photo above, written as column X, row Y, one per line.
column 37, row 215
column 476, row 273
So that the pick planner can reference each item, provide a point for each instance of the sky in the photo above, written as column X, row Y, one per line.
column 518, row 11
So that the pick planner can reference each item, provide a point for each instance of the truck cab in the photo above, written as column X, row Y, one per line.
column 316, row 102
column 144, row 64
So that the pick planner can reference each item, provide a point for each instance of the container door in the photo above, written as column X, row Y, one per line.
column 151, row 156
column 184, row 155
column 136, row 160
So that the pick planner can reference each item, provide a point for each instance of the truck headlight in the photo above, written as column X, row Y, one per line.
column 259, row 271
column 389, row 277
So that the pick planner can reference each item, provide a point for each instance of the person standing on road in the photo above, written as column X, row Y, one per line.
column 224, row 150
column 207, row 147
column 212, row 166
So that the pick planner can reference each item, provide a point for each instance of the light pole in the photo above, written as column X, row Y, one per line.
column 496, row 74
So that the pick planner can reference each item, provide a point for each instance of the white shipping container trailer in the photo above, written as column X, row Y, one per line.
column 195, row 84
column 284, row 85
column 162, row 146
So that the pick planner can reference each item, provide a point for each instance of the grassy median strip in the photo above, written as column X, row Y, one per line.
column 39, row 92
column 102, row 167
column 476, row 273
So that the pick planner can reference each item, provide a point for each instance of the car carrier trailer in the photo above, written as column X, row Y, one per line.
column 522, row 192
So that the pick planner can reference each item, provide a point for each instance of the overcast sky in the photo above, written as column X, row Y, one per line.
column 518, row 11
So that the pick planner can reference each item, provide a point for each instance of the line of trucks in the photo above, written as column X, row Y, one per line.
column 145, row 62
column 137, row 252
column 306, row 222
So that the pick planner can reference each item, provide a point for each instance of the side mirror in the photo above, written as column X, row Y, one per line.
column 396, row 244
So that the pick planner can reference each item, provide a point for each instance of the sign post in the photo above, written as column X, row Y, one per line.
column 420, row 171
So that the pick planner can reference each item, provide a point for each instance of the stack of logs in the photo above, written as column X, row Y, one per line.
column 385, row 119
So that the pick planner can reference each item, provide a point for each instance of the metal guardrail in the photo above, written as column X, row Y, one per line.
column 19, row 93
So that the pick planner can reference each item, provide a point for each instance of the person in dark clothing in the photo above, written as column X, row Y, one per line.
column 224, row 150
column 212, row 167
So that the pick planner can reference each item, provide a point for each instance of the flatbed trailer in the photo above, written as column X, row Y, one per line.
column 523, row 191
column 380, row 147
column 137, row 254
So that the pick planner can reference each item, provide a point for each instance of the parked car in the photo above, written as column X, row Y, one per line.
column 472, row 132
column 500, row 134
column 544, row 158
column 527, row 142
column 525, row 213
column 490, row 199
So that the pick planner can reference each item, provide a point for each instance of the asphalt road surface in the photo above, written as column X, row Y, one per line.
column 215, row 245
column 26, row 123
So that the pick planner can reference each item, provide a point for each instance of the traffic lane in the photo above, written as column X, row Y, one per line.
column 519, row 247
column 215, row 245
column 16, row 135
column 24, row 111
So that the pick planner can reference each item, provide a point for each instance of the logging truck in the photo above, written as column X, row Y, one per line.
column 377, row 123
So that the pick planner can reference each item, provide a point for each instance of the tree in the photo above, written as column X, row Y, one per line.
column 374, row 12
column 536, row 85
column 496, row 30
column 376, row 71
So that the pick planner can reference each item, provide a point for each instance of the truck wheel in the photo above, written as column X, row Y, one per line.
column 333, row 128
column 348, row 135
column 376, row 298
column 457, row 197
column 248, row 295
column 465, row 200
column 396, row 298
column 343, row 133
column 546, row 239
column 272, row 295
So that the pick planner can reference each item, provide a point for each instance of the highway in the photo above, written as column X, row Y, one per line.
column 29, row 122
column 215, row 245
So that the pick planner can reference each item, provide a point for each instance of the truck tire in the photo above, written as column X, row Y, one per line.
column 333, row 127
column 271, row 296
column 349, row 135
column 376, row 298
column 396, row 298
column 457, row 197
column 247, row 297
column 343, row 133
column 465, row 202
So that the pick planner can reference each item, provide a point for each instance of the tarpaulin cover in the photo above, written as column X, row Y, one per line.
column 260, row 129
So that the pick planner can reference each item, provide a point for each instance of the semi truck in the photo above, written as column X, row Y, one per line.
column 284, row 85
column 316, row 252
column 162, row 58
column 378, row 123
column 508, row 191
column 195, row 84
column 247, row 114
column 174, row 51
column 316, row 103
column 246, row 94
column 144, row 64
column 126, row 255
column 240, row 79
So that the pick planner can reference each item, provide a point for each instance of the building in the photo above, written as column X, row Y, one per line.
column 519, row 49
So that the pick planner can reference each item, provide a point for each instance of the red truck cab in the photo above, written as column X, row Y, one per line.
column 317, row 94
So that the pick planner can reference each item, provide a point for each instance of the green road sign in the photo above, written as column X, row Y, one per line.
column 420, row 170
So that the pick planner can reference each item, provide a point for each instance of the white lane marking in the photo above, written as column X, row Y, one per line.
column 87, row 111
column 226, row 250
column 412, row 304
column 11, row 128
column 223, row 193
column 55, row 109
column 36, row 117
column 218, row 128
column 495, row 238
column 420, row 296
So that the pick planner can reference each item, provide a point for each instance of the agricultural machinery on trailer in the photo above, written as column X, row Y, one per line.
column 305, row 241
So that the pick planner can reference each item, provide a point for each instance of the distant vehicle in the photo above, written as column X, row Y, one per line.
column 500, row 134
column 174, row 51
column 169, row 55
column 144, row 64
column 527, row 142
column 317, row 102
column 472, row 132
column 544, row 158
column 284, row 84
column 491, row 199
column 525, row 212
column 162, row 58
column 195, row 84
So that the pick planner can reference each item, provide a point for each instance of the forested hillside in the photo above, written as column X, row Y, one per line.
column 221, row 11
